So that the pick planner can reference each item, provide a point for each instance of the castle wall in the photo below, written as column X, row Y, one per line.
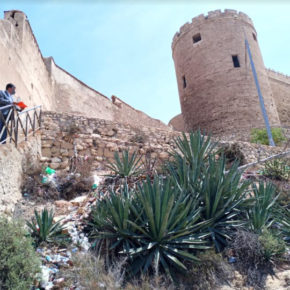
column 73, row 96
column 177, row 123
column 39, row 81
column 13, row 163
column 280, row 85
column 126, row 114
column 216, row 96
column 100, row 139
column 21, row 62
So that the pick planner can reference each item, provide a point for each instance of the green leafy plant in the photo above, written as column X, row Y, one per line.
column 127, row 165
column 278, row 169
column 211, row 272
column 261, row 214
column 157, row 228
column 43, row 229
column 260, row 136
column 272, row 247
column 251, row 260
column 19, row 263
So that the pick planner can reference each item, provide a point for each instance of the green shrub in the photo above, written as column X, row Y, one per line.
column 19, row 263
column 251, row 262
column 43, row 229
column 211, row 272
column 278, row 169
column 272, row 247
column 127, row 165
column 260, row 136
column 156, row 227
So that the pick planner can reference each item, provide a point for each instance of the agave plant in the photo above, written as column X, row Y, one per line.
column 285, row 229
column 224, row 197
column 190, row 160
column 110, row 222
column 157, row 227
column 195, row 149
column 220, row 192
column 43, row 229
column 262, row 213
column 127, row 165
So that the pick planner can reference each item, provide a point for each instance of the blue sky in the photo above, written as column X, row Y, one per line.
column 124, row 47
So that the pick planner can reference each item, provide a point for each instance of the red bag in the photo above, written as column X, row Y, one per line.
column 21, row 105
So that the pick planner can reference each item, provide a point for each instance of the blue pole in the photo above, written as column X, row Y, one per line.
column 263, row 109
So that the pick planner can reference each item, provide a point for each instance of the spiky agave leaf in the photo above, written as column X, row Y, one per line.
column 262, row 213
column 194, row 149
column 224, row 197
column 126, row 166
column 43, row 229
column 157, row 227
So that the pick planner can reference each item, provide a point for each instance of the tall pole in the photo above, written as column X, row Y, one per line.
column 261, row 99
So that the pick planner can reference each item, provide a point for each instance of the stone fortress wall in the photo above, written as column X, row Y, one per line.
column 280, row 85
column 215, row 82
column 100, row 139
column 40, row 81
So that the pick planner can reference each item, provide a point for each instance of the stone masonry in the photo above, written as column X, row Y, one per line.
column 100, row 139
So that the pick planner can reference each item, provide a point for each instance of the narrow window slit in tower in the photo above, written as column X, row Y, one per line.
column 196, row 38
column 236, row 61
column 184, row 82
column 254, row 36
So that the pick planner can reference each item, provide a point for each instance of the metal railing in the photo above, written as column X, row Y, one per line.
column 18, row 126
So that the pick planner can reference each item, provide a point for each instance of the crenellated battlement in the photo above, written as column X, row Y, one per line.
column 203, row 18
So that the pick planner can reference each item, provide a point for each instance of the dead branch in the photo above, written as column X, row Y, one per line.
column 264, row 160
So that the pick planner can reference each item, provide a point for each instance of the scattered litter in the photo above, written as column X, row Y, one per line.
column 55, row 258
column 232, row 260
column 49, row 170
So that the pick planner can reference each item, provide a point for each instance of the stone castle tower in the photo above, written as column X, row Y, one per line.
column 215, row 82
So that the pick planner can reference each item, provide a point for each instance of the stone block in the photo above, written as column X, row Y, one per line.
column 46, row 152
